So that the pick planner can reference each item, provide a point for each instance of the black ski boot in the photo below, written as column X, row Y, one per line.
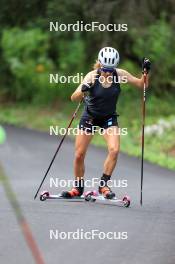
column 76, row 191
column 104, row 189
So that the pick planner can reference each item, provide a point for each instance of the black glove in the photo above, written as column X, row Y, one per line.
column 86, row 87
column 146, row 65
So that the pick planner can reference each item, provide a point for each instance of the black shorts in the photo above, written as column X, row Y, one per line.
column 90, row 124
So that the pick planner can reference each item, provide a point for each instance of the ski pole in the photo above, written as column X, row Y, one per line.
column 59, row 146
column 25, row 228
column 143, row 133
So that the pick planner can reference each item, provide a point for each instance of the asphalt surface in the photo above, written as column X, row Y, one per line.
column 150, row 229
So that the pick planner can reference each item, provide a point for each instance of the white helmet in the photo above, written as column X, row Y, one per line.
column 108, row 57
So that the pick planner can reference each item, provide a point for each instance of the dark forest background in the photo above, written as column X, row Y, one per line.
column 29, row 52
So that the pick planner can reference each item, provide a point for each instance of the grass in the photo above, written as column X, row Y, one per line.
column 159, row 149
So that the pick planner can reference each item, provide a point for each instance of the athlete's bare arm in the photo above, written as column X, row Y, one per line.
column 132, row 79
column 89, row 78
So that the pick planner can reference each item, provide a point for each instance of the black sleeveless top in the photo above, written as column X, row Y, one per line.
column 101, row 102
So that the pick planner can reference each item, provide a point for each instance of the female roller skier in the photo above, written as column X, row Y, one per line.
column 101, row 90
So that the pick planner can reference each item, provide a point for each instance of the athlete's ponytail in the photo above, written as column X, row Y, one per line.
column 96, row 65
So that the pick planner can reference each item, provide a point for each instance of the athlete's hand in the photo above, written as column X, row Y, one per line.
column 86, row 87
column 146, row 65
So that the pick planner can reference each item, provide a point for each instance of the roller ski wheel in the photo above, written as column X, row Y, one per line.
column 88, row 196
column 110, row 196
column 44, row 195
column 126, row 201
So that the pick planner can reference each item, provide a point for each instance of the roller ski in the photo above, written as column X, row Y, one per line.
column 75, row 194
column 90, row 196
column 93, row 196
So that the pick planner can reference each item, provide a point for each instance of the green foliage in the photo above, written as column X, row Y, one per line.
column 29, row 52
column 70, row 61
column 25, row 52
column 71, row 55
column 157, row 43
column 24, row 43
column 30, row 65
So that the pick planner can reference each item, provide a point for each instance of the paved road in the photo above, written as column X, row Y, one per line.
column 150, row 229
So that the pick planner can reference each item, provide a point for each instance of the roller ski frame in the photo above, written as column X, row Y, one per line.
column 93, row 196
column 47, row 196
column 90, row 196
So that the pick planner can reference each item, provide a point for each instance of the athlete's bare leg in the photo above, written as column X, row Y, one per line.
column 112, row 139
column 81, row 145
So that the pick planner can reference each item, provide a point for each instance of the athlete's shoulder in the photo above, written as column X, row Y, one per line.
column 93, row 72
column 121, row 72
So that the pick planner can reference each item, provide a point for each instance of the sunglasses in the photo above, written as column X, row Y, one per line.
column 107, row 69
